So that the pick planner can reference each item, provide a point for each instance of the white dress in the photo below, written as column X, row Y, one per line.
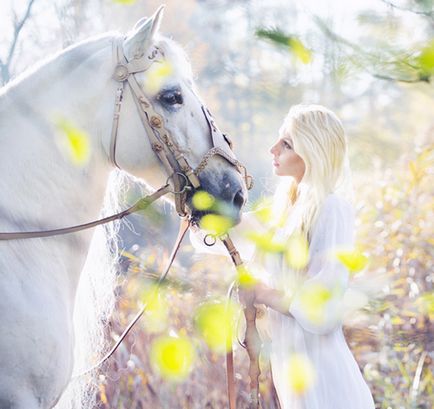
column 338, row 382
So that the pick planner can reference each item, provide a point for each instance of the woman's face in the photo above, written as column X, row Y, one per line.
column 285, row 161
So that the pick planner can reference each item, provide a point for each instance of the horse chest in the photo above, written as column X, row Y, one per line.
column 36, row 339
column 35, row 350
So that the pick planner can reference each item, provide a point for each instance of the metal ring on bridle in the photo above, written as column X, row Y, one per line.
column 207, row 238
column 186, row 186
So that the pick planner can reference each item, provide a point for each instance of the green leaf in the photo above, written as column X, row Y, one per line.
column 293, row 43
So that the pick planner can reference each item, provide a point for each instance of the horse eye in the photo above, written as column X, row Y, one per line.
column 173, row 97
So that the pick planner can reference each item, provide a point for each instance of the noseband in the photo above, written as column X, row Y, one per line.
column 180, row 172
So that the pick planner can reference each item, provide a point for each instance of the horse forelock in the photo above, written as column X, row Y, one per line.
column 175, row 55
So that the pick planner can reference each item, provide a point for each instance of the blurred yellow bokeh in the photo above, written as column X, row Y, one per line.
column 73, row 142
column 157, row 309
column 127, row 2
column 172, row 357
column 203, row 200
column 313, row 298
column 216, row 224
column 265, row 242
column 297, row 252
column 245, row 278
column 156, row 76
column 215, row 322
column 301, row 373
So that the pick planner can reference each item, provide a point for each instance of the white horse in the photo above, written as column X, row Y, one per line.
column 41, row 189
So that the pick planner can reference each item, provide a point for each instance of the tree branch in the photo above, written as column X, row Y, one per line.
column 418, row 75
column 18, row 26
column 395, row 6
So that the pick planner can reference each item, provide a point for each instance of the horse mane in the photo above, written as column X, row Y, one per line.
column 95, row 299
column 65, row 60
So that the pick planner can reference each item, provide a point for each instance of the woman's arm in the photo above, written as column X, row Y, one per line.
column 270, row 297
column 318, row 304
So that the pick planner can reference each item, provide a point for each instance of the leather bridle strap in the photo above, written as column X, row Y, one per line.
column 160, row 138
column 141, row 204
column 251, row 341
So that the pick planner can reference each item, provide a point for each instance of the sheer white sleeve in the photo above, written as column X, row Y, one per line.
column 317, row 305
column 249, row 222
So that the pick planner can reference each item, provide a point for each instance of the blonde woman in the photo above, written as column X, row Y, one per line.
column 312, row 366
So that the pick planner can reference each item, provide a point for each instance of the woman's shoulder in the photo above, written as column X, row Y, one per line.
column 335, row 204
column 336, row 213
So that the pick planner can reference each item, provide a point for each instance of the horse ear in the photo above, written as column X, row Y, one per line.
column 140, row 39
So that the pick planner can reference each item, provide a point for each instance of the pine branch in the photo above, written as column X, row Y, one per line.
column 419, row 74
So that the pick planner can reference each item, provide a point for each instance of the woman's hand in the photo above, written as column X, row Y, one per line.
column 246, row 295
column 260, row 293
column 253, row 294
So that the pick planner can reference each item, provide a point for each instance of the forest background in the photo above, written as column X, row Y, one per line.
column 372, row 62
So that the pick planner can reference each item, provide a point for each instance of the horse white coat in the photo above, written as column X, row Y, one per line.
column 41, row 189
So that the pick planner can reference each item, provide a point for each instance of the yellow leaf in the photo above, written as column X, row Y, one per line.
column 172, row 357
column 301, row 52
column 426, row 58
column 216, row 224
column 352, row 259
column 74, row 142
column 301, row 373
column 203, row 200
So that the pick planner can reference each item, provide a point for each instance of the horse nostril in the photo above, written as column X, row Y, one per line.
column 239, row 199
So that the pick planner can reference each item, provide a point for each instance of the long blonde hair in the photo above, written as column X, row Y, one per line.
column 319, row 139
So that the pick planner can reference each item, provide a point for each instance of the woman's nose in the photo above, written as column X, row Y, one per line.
column 273, row 149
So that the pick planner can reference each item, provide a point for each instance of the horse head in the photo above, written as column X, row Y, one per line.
column 154, row 74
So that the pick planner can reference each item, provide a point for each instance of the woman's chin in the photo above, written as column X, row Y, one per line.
column 276, row 171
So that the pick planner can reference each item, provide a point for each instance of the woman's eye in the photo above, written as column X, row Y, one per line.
column 171, row 98
column 286, row 145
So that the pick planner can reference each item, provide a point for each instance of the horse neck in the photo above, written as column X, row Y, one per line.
column 74, row 86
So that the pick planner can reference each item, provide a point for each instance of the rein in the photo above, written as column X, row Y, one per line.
column 141, row 204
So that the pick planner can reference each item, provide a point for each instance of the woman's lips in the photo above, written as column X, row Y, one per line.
column 275, row 164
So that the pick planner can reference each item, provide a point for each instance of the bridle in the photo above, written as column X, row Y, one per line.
column 162, row 143
column 182, row 176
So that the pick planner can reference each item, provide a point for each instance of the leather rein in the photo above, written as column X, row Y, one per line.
column 183, row 178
